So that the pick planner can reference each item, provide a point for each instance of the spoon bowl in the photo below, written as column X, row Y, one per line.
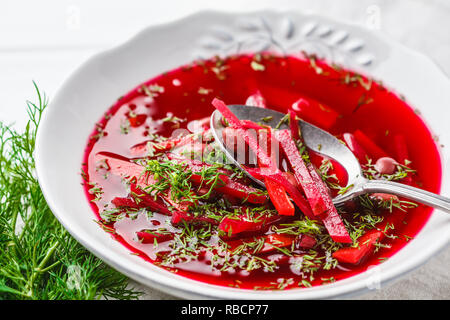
column 326, row 144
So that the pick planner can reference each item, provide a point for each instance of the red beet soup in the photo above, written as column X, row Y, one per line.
column 155, row 180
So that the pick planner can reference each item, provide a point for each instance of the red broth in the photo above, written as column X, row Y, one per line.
column 187, row 93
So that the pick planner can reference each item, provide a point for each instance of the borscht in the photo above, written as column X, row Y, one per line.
column 160, row 185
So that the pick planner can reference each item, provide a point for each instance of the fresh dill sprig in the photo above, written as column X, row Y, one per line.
column 38, row 257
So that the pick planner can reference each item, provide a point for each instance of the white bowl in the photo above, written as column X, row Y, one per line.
column 97, row 84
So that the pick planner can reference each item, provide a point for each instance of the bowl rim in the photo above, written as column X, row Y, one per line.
column 188, row 288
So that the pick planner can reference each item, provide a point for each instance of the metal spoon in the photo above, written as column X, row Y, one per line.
column 326, row 144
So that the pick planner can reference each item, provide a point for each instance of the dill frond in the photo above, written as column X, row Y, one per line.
column 38, row 257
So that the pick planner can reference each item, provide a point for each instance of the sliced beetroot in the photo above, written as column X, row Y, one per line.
column 273, row 242
column 203, row 191
column 401, row 148
column 291, row 178
column 182, row 204
column 374, row 151
column 366, row 245
column 247, row 124
column 259, row 174
column 241, row 191
column 277, row 193
column 315, row 189
column 279, row 198
column 179, row 217
column 137, row 120
column 315, row 112
column 332, row 221
column 235, row 226
column 305, row 241
column 143, row 200
column 293, row 125
column 282, row 179
column 355, row 147
column 233, row 141
column 226, row 113
column 120, row 202
column 150, row 236
column 402, row 155
column 301, row 173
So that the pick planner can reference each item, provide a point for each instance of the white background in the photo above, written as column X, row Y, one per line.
column 46, row 40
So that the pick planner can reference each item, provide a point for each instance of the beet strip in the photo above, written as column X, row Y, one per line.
column 375, row 152
column 366, row 245
column 279, row 198
column 271, row 243
column 315, row 189
column 120, row 202
column 179, row 217
column 401, row 149
column 295, row 194
column 355, row 147
column 150, row 236
column 332, row 221
column 247, row 124
column 301, row 173
column 402, row 155
column 277, row 192
column 142, row 199
column 226, row 113
column 292, row 189
column 315, row 112
column 234, row 226
column 293, row 125
column 274, row 241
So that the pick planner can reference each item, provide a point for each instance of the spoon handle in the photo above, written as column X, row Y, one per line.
column 416, row 194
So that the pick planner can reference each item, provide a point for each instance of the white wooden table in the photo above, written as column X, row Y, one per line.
column 46, row 40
